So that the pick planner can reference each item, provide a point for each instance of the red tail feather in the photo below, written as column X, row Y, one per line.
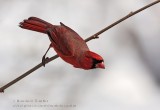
column 35, row 24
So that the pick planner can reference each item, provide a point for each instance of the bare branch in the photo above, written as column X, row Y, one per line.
column 122, row 19
column 96, row 35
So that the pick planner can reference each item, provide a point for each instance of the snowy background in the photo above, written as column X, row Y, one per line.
column 131, row 50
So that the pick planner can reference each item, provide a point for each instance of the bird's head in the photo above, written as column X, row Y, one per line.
column 93, row 60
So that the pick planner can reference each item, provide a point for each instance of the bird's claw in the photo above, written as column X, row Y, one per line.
column 43, row 60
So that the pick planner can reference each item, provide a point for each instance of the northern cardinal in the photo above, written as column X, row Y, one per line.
column 66, row 42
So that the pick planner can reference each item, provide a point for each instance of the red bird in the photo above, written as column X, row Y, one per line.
column 66, row 42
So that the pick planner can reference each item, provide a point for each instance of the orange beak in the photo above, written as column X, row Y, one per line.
column 100, row 65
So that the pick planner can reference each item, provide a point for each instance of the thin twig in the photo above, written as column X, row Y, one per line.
column 96, row 35
column 122, row 19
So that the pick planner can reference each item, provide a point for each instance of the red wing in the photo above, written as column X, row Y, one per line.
column 71, row 30
column 61, row 41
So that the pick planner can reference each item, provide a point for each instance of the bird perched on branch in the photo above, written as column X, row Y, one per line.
column 66, row 42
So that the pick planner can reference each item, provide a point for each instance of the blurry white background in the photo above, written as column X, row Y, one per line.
column 131, row 80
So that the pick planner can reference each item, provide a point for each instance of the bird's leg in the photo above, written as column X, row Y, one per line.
column 44, row 56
